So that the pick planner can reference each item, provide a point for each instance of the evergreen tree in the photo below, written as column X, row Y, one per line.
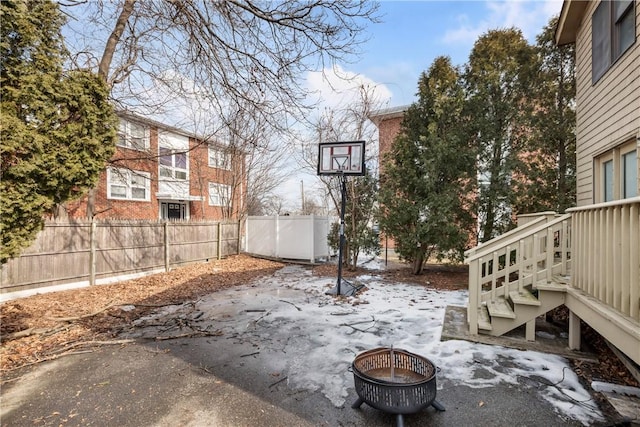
column 498, row 81
column 360, row 209
column 428, row 173
column 58, row 128
column 549, row 169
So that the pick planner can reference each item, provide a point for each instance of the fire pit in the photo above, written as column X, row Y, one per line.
column 395, row 381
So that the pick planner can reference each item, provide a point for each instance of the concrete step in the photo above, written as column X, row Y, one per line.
column 524, row 297
column 500, row 308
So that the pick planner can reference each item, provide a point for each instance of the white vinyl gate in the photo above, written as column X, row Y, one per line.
column 288, row 237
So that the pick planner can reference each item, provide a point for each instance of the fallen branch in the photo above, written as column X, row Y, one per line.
column 278, row 382
column 24, row 333
column 250, row 354
column 197, row 333
column 289, row 302
column 84, row 316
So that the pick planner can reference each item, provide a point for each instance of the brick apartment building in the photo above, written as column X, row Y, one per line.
column 388, row 121
column 161, row 172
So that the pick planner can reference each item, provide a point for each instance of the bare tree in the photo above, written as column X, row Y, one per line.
column 230, row 53
column 349, row 123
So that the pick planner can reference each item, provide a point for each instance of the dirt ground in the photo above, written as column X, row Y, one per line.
column 49, row 326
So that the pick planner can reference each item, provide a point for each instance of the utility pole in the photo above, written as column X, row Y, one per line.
column 302, row 193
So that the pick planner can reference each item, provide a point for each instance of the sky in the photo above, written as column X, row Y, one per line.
column 309, row 338
column 414, row 33
column 404, row 44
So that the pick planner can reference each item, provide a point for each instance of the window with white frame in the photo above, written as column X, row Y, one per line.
column 629, row 174
column 613, row 31
column 617, row 173
column 133, row 135
column 128, row 184
column 173, row 164
column 219, row 194
column 219, row 159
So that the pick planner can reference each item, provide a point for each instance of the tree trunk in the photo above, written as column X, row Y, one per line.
column 114, row 39
column 418, row 262
column 103, row 72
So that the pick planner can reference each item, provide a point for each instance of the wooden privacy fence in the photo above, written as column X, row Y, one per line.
column 71, row 252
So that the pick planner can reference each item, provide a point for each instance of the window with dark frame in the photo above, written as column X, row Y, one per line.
column 173, row 164
column 612, row 33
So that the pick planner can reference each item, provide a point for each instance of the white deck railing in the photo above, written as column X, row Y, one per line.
column 535, row 251
column 606, row 254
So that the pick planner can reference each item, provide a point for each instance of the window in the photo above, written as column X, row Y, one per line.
column 617, row 173
column 133, row 135
column 219, row 194
column 607, row 173
column 173, row 164
column 629, row 174
column 219, row 159
column 612, row 33
column 128, row 185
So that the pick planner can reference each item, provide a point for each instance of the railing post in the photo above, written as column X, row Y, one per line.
column 507, row 264
column 521, row 267
column 494, row 275
column 536, row 252
column 474, row 296
column 563, row 248
column 634, row 265
column 550, row 248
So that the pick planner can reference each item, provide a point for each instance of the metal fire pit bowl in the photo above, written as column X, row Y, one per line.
column 395, row 381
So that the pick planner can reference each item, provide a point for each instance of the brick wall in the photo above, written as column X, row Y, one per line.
column 200, row 174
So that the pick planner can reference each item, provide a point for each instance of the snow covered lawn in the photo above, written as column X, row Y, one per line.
column 313, row 338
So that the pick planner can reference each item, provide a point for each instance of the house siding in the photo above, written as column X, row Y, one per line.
column 609, row 112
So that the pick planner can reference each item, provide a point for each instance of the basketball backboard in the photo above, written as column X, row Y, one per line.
column 336, row 158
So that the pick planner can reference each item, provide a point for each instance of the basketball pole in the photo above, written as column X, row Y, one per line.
column 343, row 205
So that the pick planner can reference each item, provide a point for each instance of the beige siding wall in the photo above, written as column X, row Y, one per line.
column 608, row 113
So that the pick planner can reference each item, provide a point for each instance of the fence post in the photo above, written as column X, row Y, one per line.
column 92, row 254
column 166, row 245
column 219, row 240
column 239, row 236
column 313, row 238
column 277, row 226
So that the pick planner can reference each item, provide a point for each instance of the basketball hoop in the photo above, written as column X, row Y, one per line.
column 337, row 158
column 342, row 159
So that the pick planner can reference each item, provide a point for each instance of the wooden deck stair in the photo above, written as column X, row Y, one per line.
column 521, row 307
column 516, row 277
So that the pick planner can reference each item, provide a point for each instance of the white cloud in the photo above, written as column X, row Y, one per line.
column 528, row 16
column 336, row 88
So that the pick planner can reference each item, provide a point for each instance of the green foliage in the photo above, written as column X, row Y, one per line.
column 426, row 177
column 58, row 128
column 549, row 171
column 498, row 80
column 359, row 234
